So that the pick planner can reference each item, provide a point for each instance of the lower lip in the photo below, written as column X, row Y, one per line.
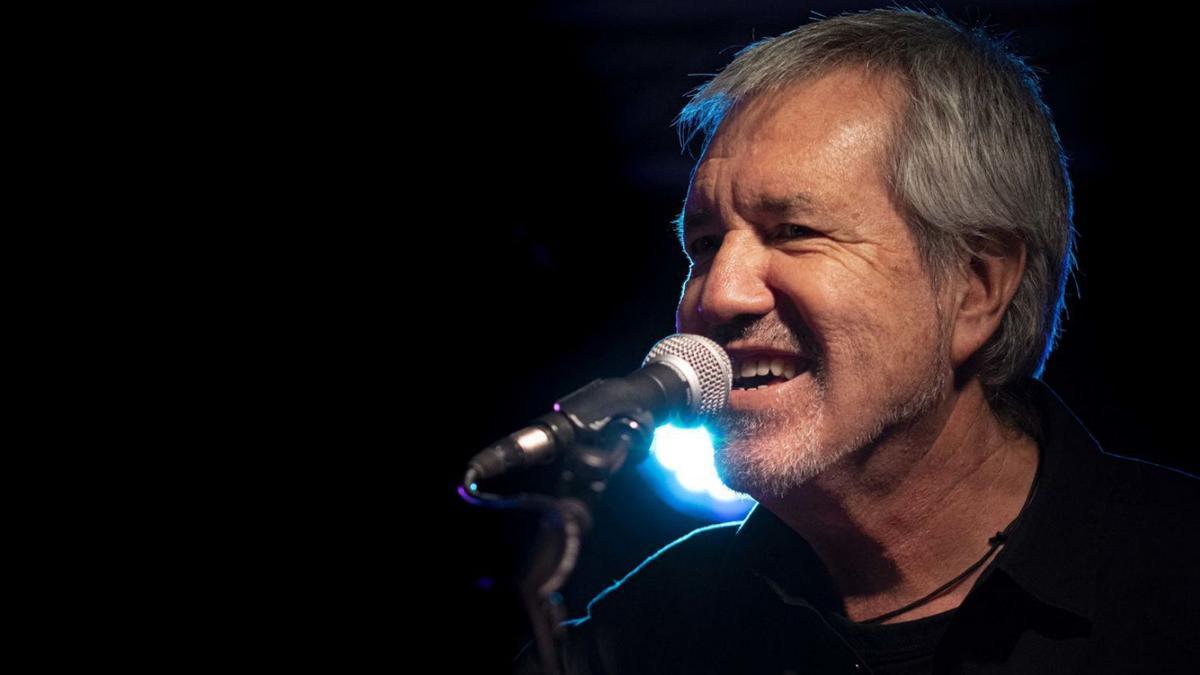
column 763, row 397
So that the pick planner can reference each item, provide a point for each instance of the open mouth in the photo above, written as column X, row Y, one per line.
column 757, row 371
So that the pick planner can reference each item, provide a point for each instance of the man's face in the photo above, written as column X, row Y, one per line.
column 798, row 256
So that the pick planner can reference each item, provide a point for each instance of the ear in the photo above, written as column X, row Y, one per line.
column 986, row 285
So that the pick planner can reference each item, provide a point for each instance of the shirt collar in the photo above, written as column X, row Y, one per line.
column 1051, row 552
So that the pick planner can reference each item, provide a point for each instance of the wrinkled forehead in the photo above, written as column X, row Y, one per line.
column 832, row 95
column 831, row 128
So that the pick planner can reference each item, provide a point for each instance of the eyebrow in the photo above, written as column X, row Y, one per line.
column 797, row 202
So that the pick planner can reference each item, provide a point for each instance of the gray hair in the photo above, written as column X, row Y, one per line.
column 974, row 163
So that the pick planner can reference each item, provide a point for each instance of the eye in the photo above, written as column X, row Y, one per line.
column 792, row 231
column 702, row 246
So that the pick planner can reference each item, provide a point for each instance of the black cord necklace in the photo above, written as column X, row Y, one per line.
column 994, row 541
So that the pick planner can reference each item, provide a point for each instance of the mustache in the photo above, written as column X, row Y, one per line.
column 769, row 330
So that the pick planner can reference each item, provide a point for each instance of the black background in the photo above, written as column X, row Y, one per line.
column 558, row 173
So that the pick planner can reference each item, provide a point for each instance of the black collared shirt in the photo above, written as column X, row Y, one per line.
column 1101, row 575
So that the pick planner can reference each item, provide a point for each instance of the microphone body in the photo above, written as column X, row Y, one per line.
column 683, row 378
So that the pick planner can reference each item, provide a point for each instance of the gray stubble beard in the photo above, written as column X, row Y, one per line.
column 767, row 454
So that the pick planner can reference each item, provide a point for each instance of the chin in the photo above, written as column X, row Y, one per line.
column 765, row 468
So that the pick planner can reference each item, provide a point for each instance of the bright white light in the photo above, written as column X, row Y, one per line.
column 722, row 493
column 689, row 476
column 693, row 478
column 676, row 448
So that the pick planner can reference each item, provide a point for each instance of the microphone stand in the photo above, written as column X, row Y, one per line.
column 587, row 466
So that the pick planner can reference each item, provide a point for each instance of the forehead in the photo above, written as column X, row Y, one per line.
column 811, row 138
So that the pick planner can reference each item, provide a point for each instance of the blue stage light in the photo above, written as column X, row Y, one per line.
column 682, row 472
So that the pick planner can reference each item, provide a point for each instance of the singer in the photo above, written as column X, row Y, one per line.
column 882, row 210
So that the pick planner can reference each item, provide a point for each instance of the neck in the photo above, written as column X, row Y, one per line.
column 897, row 520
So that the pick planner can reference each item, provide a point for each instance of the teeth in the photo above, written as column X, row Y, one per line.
column 778, row 366
column 749, row 369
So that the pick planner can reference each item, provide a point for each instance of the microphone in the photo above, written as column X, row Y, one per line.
column 683, row 379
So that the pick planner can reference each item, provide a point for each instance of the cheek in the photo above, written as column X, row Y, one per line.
column 893, row 329
column 852, row 318
column 873, row 295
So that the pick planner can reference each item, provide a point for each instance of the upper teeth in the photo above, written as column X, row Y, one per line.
column 777, row 365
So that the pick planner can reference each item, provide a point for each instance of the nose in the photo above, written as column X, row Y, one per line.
column 736, row 281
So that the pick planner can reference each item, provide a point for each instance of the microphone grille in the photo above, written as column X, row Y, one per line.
column 711, row 364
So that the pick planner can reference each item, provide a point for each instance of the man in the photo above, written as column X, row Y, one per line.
column 879, row 228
